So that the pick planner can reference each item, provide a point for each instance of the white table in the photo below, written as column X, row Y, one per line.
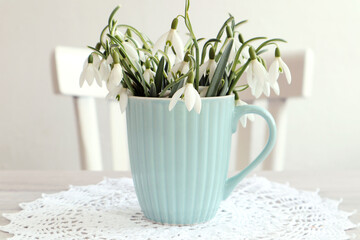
column 25, row 186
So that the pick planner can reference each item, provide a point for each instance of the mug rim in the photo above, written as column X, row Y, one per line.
column 169, row 99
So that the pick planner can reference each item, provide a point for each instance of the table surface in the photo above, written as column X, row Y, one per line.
column 26, row 186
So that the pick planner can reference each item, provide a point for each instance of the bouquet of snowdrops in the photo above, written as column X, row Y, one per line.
column 129, row 63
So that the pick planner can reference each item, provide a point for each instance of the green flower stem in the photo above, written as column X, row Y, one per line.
column 138, row 33
column 112, row 14
column 269, row 42
column 197, row 51
column 233, row 83
column 222, row 29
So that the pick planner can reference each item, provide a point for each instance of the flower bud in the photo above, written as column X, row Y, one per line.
column 212, row 53
column 241, row 39
column 252, row 53
column 115, row 57
column 187, row 57
column 98, row 46
column 128, row 32
column 147, row 64
column 174, row 23
column 90, row 58
column 190, row 78
column 277, row 52
column 229, row 32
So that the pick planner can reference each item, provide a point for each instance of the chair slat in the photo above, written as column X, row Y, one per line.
column 89, row 133
column 118, row 133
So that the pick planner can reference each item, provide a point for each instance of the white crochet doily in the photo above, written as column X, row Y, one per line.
column 257, row 209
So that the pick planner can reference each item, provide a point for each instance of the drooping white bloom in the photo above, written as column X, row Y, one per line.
column 104, row 70
column 173, row 38
column 123, row 94
column 96, row 60
column 131, row 51
column 257, row 78
column 115, row 77
column 191, row 97
column 209, row 65
column 148, row 75
column 88, row 74
column 243, row 119
column 180, row 68
column 275, row 69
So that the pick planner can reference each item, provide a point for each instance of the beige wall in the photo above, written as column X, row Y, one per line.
column 37, row 127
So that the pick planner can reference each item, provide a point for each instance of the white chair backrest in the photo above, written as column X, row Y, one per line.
column 69, row 64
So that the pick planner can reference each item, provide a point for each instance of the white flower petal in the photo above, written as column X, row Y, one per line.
column 176, row 67
column 286, row 70
column 178, row 44
column 109, row 60
column 89, row 74
column 189, row 96
column 105, row 70
column 113, row 93
column 185, row 68
column 176, row 97
column 203, row 68
column 266, row 88
column 212, row 67
column 97, row 77
column 243, row 121
column 276, row 88
column 82, row 78
column 197, row 102
column 96, row 60
column 130, row 50
column 274, row 72
column 116, row 75
column 123, row 100
column 249, row 76
column 160, row 43
column 259, row 70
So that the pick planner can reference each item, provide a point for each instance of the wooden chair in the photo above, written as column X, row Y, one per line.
column 69, row 64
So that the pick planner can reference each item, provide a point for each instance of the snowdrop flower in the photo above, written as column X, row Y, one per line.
column 148, row 74
column 209, row 65
column 135, row 44
column 243, row 119
column 131, row 51
column 116, row 74
column 191, row 96
column 171, row 37
column 104, row 70
column 90, row 72
column 181, row 67
column 277, row 67
column 257, row 76
column 120, row 93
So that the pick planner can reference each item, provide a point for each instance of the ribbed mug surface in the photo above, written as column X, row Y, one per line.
column 179, row 159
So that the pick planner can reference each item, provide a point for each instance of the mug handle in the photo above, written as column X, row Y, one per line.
column 239, row 111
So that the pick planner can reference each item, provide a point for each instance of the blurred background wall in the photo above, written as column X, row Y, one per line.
column 38, row 127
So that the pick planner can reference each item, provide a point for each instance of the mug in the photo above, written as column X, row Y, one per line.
column 179, row 160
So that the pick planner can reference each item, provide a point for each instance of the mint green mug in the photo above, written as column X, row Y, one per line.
column 179, row 159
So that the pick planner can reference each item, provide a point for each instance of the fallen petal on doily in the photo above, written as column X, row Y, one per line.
column 257, row 209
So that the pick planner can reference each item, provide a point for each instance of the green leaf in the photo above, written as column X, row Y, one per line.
column 153, row 90
column 159, row 75
column 219, row 71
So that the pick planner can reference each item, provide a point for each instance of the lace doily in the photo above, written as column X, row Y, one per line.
column 257, row 209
